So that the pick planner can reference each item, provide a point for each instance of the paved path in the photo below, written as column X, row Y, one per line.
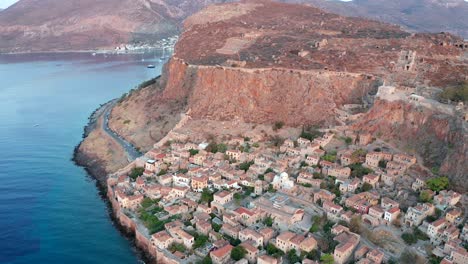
column 131, row 152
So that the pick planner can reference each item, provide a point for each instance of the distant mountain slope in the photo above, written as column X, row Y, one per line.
column 57, row 25
column 51, row 25
column 415, row 15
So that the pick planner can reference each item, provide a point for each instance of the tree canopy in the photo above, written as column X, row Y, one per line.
column 438, row 183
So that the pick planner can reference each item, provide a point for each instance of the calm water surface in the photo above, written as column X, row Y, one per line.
column 50, row 209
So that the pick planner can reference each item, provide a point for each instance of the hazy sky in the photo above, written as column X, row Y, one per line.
column 7, row 3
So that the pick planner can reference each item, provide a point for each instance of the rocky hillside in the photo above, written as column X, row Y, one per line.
column 263, row 62
column 55, row 25
column 441, row 139
column 414, row 15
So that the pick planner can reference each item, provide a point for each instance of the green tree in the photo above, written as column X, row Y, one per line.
column 162, row 172
column 193, row 152
column 206, row 196
column 366, row 187
column 348, row 140
column 357, row 170
column 222, row 148
column 293, row 257
column 383, row 164
column 438, row 184
column 327, row 259
column 457, row 93
column 272, row 250
column 238, row 253
column 409, row 238
column 206, row 260
column 313, row 255
column 246, row 165
column 278, row 125
column 136, row 172
column 216, row 227
column 268, row 221
column 425, row 196
column 177, row 247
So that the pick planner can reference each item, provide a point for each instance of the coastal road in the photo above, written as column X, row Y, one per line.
column 131, row 152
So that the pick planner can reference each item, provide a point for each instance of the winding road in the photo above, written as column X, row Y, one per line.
column 131, row 152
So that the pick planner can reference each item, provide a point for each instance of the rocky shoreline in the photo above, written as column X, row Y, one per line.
column 99, row 175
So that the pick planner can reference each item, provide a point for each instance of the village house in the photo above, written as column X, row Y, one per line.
column 323, row 195
column 199, row 183
column 347, row 242
column 251, row 235
column 446, row 199
column 349, row 186
column 246, row 216
column 283, row 240
column 418, row 184
column 374, row 215
column 371, row 179
column 332, row 210
column 221, row 255
column 181, row 180
column 453, row 216
column 312, row 160
column 405, row 159
column 265, row 259
column 373, row 158
column 179, row 192
column 347, row 158
column 223, row 197
column 391, row 214
column 203, row 208
column 415, row 215
column 230, row 230
column 457, row 256
column 267, row 234
column 234, row 154
column 365, row 139
column 203, row 227
column 339, row 172
column 251, row 252
column 161, row 240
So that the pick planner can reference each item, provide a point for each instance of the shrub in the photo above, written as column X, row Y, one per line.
column 246, row 165
column 268, row 221
column 409, row 238
column 366, row 187
column 136, row 172
column 438, row 183
column 278, row 125
column 147, row 83
column 457, row 93
column 425, row 196
column 193, row 152
column 126, row 122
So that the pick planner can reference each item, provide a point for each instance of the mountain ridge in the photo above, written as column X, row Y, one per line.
column 52, row 25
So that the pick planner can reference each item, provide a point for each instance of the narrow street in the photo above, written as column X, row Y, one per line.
column 131, row 152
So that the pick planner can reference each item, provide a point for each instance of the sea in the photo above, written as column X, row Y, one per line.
column 50, row 209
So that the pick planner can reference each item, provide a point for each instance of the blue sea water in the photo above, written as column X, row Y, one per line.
column 50, row 209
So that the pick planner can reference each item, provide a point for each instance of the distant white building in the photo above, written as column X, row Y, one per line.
column 283, row 181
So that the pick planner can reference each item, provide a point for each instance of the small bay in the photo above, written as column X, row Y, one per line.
column 50, row 209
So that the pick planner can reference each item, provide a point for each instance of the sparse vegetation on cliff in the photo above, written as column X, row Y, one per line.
column 457, row 93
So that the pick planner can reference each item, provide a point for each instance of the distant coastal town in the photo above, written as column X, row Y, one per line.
column 325, row 196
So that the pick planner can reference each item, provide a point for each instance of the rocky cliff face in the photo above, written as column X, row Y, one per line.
column 263, row 95
column 440, row 139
